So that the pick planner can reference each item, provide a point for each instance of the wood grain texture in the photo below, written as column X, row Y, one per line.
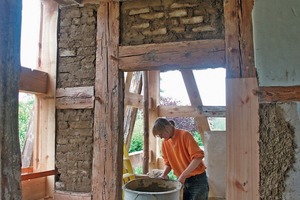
column 242, row 137
column 33, row 81
column 75, row 98
column 278, row 94
column 201, row 54
column 108, row 112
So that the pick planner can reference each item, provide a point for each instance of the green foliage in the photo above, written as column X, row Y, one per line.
column 25, row 111
column 198, row 138
column 137, row 140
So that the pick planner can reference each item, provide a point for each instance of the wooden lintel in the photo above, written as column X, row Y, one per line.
column 200, row 54
column 68, row 2
column 33, row 81
column 191, row 111
column 75, row 98
column 133, row 100
column 278, row 94
column 38, row 174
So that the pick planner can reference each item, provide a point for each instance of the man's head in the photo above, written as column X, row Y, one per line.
column 163, row 128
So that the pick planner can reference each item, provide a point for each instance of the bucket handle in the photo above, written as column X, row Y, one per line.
column 153, row 195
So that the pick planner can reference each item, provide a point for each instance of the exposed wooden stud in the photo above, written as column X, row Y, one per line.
column 154, row 101
column 191, row 111
column 146, row 123
column 33, row 81
column 75, row 98
column 195, row 99
column 242, row 137
column 242, row 150
column 108, row 112
column 239, row 39
column 132, row 102
column 200, row 54
column 44, row 149
column 278, row 94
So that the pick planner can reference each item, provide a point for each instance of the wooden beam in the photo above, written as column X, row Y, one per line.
column 239, row 39
column 191, row 111
column 146, row 122
column 35, row 175
column 133, row 100
column 195, row 99
column 132, row 103
column 68, row 2
column 108, row 111
column 200, row 54
column 75, row 98
column 33, row 81
column 278, row 94
column 242, row 138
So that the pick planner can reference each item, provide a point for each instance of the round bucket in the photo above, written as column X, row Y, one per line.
column 152, row 189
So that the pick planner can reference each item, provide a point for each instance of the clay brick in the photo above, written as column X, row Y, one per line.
column 152, row 16
column 178, row 13
column 161, row 31
column 203, row 29
column 141, row 26
column 193, row 20
column 183, row 5
column 139, row 11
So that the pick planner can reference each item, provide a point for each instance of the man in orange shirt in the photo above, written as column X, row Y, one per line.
column 181, row 153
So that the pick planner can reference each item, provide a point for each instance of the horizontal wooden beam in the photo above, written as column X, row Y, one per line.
column 191, row 111
column 278, row 94
column 133, row 100
column 75, row 98
column 200, row 54
column 38, row 174
column 68, row 2
column 33, row 81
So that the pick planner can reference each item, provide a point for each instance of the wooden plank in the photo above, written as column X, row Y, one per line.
column 133, row 100
column 239, row 39
column 35, row 175
column 65, row 195
column 68, row 2
column 108, row 111
column 278, row 94
column 146, row 122
column 75, row 98
column 242, row 131
column 200, row 54
column 132, row 106
column 154, row 101
column 33, row 81
column 191, row 111
column 195, row 99
column 34, row 189
column 44, row 140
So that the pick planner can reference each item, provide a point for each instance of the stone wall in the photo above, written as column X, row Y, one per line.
column 76, row 67
column 159, row 21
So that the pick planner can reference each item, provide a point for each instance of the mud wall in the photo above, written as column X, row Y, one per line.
column 76, row 67
column 277, row 151
column 158, row 21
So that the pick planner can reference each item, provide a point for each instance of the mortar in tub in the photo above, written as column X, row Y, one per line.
column 152, row 189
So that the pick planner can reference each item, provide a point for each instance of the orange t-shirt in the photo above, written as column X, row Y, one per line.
column 179, row 151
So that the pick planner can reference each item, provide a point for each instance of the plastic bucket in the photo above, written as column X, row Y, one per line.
column 152, row 189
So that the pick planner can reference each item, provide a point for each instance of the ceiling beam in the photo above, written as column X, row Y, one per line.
column 200, row 54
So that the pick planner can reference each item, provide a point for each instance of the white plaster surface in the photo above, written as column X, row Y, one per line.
column 215, row 160
column 276, row 26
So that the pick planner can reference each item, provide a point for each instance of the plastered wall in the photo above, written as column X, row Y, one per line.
column 277, row 46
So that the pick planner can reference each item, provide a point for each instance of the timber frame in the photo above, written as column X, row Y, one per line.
column 235, row 53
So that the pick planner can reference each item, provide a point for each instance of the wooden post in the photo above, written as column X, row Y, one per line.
column 108, row 112
column 10, row 67
column 146, row 123
column 242, row 119
column 44, row 149
column 154, row 101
